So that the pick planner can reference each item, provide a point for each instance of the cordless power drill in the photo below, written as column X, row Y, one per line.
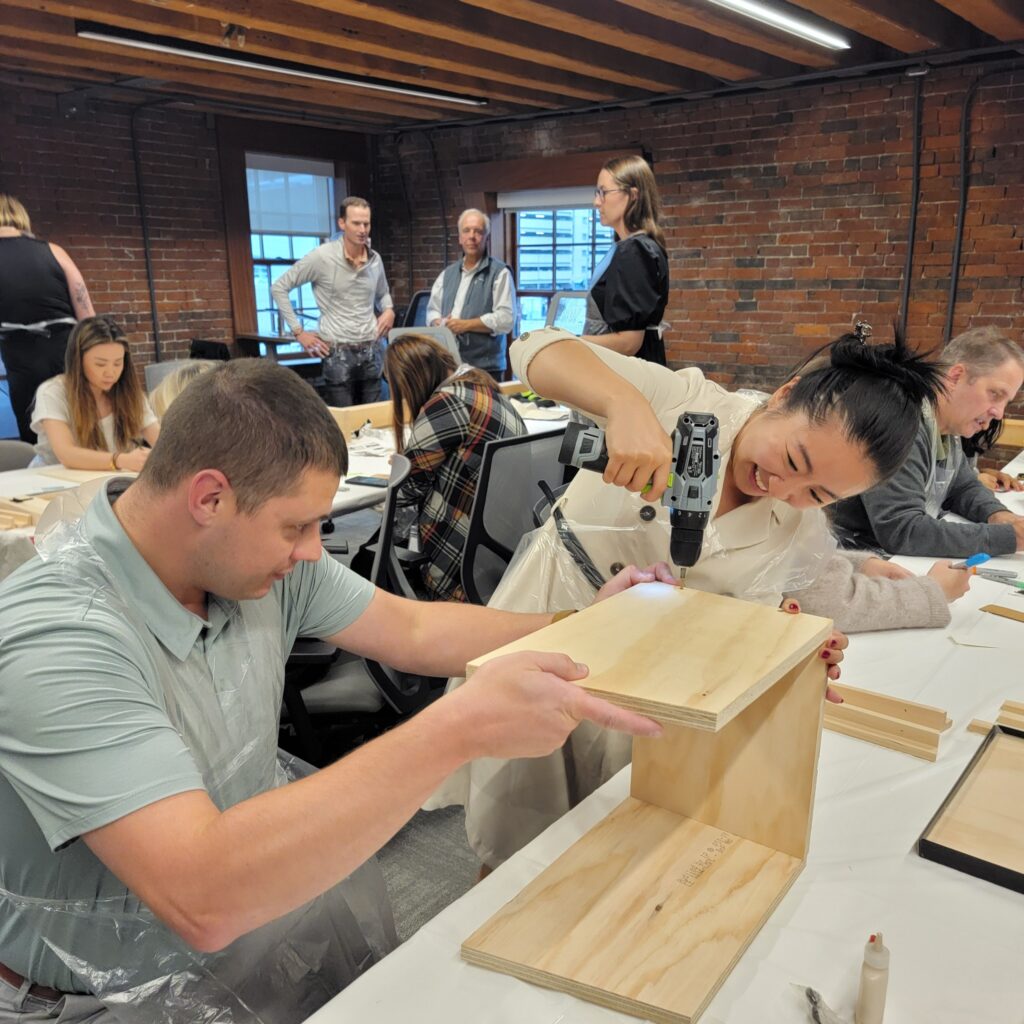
column 691, row 484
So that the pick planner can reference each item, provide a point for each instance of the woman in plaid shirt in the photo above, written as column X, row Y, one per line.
column 454, row 412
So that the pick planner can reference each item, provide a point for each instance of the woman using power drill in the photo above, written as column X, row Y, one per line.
column 842, row 424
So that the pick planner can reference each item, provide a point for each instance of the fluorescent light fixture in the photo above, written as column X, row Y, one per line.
column 769, row 16
column 197, row 51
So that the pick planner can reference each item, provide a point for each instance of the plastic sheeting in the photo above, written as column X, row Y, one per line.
column 113, row 945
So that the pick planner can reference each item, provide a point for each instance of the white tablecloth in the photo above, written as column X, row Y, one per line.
column 957, row 942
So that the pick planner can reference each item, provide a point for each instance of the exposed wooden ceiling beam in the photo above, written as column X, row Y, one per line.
column 1003, row 19
column 701, row 15
column 908, row 26
column 607, row 21
column 143, row 17
column 457, row 25
column 50, row 34
column 367, row 36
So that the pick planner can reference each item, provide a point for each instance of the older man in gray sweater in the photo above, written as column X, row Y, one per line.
column 905, row 514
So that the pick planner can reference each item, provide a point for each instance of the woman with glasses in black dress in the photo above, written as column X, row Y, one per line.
column 629, row 290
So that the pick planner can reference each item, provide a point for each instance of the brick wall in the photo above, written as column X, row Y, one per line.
column 786, row 213
column 77, row 178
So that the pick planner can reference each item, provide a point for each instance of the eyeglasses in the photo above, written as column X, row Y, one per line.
column 600, row 193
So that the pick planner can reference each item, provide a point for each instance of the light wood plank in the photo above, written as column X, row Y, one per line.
column 755, row 778
column 1003, row 19
column 985, row 818
column 894, row 707
column 1012, row 435
column 1003, row 612
column 646, row 914
column 679, row 655
column 893, row 733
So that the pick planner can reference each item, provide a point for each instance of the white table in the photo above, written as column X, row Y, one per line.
column 957, row 942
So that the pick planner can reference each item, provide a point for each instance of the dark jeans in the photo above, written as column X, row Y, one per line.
column 30, row 359
column 352, row 373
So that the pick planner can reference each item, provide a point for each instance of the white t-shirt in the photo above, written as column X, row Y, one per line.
column 52, row 404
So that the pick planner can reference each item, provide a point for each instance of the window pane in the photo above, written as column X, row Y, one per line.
column 261, row 280
column 266, row 322
column 257, row 248
column 302, row 244
column 533, row 312
column 277, row 247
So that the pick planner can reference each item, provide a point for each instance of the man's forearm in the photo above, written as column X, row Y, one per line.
column 449, row 635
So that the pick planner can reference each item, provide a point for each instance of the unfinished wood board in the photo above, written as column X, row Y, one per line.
column 755, row 777
column 1006, row 613
column 676, row 654
column 979, row 829
column 20, row 513
column 1010, row 714
column 646, row 914
column 82, row 476
column 894, row 707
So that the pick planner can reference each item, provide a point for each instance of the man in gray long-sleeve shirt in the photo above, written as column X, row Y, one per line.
column 904, row 514
column 350, row 286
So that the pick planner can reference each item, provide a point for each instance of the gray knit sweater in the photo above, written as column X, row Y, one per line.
column 857, row 603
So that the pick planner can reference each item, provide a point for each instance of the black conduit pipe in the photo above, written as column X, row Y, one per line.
column 908, row 266
column 440, row 195
column 140, row 194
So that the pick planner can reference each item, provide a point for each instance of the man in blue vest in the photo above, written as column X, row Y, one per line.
column 475, row 297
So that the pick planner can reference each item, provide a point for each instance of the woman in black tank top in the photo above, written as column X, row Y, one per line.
column 39, row 284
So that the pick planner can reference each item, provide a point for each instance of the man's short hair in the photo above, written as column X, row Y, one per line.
column 261, row 425
column 348, row 202
column 981, row 350
column 480, row 213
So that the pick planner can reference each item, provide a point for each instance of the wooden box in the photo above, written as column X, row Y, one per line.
column 651, row 909
column 979, row 829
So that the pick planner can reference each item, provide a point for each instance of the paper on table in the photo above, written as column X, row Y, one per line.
column 990, row 631
column 532, row 411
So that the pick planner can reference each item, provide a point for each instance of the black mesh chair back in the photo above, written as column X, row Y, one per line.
column 406, row 693
column 416, row 311
column 506, row 493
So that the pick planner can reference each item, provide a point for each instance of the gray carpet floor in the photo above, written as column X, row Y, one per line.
column 428, row 864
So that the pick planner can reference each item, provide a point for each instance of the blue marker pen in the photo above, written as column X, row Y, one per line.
column 979, row 559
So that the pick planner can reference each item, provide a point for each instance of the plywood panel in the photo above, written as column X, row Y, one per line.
column 984, row 817
column 679, row 655
column 755, row 777
column 647, row 914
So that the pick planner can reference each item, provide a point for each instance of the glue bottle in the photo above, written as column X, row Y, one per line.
column 874, row 980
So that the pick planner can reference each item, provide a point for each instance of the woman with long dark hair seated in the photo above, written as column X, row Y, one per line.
column 94, row 415
column 453, row 412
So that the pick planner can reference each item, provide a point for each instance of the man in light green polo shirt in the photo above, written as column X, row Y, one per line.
column 152, row 859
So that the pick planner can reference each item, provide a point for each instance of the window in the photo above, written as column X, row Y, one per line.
column 557, row 250
column 291, row 212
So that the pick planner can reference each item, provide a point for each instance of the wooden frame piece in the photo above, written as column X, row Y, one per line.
column 1011, row 714
column 15, row 513
column 979, row 828
column 888, row 721
column 1002, row 612
column 650, row 910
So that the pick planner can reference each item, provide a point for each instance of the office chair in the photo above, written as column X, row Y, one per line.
column 441, row 334
column 503, row 507
column 567, row 310
column 355, row 697
column 416, row 311
column 15, row 455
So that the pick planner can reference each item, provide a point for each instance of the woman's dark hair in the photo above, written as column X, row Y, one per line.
column 876, row 390
column 983, row 440
column 415, row 367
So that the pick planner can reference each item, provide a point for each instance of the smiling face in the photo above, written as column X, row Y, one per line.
column 248, row 554
column 784, row 455
column 103, row 365
column 971, row 403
